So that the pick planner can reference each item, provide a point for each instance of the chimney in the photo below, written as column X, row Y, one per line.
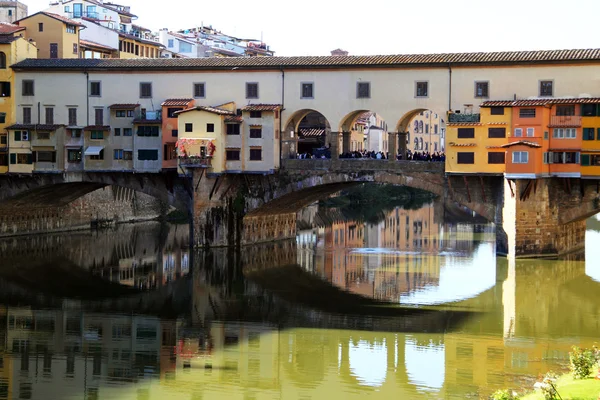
column 339, row 53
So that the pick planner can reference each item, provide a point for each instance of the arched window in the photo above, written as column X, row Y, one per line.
column 421, row 144
column 416, row 144
column 426, row 146
column 2, row 60
column 416, row 128
column 420, row 126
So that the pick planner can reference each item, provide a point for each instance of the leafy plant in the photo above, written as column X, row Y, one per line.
column 582, row 361
column 504, row 395
column 547, row 386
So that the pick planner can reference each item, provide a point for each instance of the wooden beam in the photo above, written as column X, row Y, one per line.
column 467, row 186
column 482, row 188
column 214, row 187
column 512, row 192
column 198, row 184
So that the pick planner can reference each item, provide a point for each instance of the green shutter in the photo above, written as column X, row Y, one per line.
column 598, row 134
column 29, row 159
column 585, row 160
column 17, row 136
column 13, row 158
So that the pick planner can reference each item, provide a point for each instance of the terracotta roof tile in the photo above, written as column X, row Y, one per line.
column 97, row 128
column 402, row 60
column 453, row 144
column 261, row 107
column 124, row 106
column 464, row 124
column 176, row 102
column 541, row 102
column 6, row 28
column 234, row 118
column 56, row 17
column 34, row 127
column 89, row 43
column 213, row 110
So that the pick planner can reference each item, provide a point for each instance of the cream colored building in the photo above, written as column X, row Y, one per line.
column 12, row 10
column 425, row 132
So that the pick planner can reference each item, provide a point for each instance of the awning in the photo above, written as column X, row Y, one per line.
column 93, row 150
column 73, row 146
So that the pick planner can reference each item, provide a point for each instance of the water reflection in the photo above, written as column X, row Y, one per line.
column 294, row 319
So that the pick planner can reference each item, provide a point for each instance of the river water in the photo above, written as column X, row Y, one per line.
column 405, row 301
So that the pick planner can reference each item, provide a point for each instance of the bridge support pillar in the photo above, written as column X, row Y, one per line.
column 401, row 146
column 333, row 141
column 346, row 142
column 392, row 146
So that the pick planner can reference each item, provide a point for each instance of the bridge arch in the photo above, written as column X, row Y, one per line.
column 363, row 129
column 424, row 129
column 304, row 130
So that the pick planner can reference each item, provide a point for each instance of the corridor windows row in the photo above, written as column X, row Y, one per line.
column 233, row 154
column 590, row 160
column 561, row 157
column 494, row 157
column 564, row 133
column 589, row 134
column 529, row 132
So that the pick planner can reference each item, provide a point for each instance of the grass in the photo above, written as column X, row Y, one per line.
column 572, row 389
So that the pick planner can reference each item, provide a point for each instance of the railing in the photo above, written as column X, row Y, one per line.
column 80, row 14
column 195, row 162
column 458, row 118
column 565, row 120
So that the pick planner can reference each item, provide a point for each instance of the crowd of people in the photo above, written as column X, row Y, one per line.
column 437, row 156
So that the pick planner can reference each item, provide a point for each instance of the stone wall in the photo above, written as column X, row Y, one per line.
column 112, row 204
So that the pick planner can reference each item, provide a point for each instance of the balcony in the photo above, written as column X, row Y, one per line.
column 568, row 121
column 454, row 118
column 82, row 14
column 195, row 162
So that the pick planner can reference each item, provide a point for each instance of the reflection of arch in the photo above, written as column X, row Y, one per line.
column 307, row 360
column 425, row 365
column 2, row 60
column 368, row 362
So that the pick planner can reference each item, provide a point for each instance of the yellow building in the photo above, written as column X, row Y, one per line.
column 425, row 133
column 474, row 141
column 590, row 148
column 12, row 50
column 131, row 46
column 55, row 36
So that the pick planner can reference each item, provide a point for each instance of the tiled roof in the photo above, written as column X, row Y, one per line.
column 176, row 102
column 89, row 43
column 145, row 121
column 453, row 144
column 312, row 132
column 213, row 110
column 7, row 39
column 402, row 60
column 521, row 142
column 261, row 107
column 6, row 28
column 34, row 127
column 56, row 17
column 137, row 39
column 234, row 118
column 497, row 123
column 125, row 106
column 97, row 128
column 464, row 124
column 541, row 102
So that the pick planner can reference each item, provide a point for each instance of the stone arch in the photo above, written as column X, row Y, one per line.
column 291, row 140
column 356, row 129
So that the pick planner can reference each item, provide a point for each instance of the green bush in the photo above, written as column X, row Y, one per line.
column 582, row 362
column 548, row 387
column 504, row 395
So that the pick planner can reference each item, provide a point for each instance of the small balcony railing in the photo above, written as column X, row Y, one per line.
column 195, row 162
column 573, row 121
column 462, row 118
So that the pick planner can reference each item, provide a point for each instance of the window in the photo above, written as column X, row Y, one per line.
column 256, row 154
column 145, row 90
column 118, row 154
column 363, row 90
column 564, row 133
column 120, row 113
column 100, row 156
column 465, row 158
column 117, row 131
column 255, row 114
column 148, row 131
column 520, row 157
column 527, row 113
column 127, row 131
column 422, row 89
column 73, row 116
column 3, row 140
column 96, row 88
column 256, row 132
column 189, row 127
column 589, row 110
column 27, row 115
column 571, row 157
column 74, row 155
column 21, row 136
column 232, row 155
column 496, row 157
column 175, row 133
column 49, row 115
column 169, row 151
column 4, row 89
column 147, row 155
column 46, row 156
column 75, row 133
column 252, row 90
column 71, row 29
column 171, row 112
column 546, row 88
column 171, row 43
column 41, row 27
column 97, row 135
column 233, row 129
column 466, row 133
column 590, row 160
column 530, row 132
column 43, row 135
column 518, row 132
column 482, row 89
column 306, row 90
column 67, row 9
column 497, row 111
column 127, row 155
column 210, row 127
column 199, row 90
column 2, row 118
column 2, row 60
column 99, row 116
column 496, row 133
column 565, row 110
column 75, row 48
column 21, row 159
column 27, row 87
column 589, row 134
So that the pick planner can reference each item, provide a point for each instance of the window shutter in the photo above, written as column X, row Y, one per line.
column 165, row 150
column 53, row 156
column 31, row 157
column 585, row 159
column 13, row 158
column 598, row 137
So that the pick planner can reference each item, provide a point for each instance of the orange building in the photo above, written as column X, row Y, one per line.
column 170, row 130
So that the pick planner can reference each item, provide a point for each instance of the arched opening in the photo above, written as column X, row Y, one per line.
column 305, row 135
column 365, row 134
column 2, row 60
column 425, row 132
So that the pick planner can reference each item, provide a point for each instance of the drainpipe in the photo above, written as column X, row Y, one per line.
column 87, row 97
column 281, row 115
column 39, row 112
column 449, row 87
